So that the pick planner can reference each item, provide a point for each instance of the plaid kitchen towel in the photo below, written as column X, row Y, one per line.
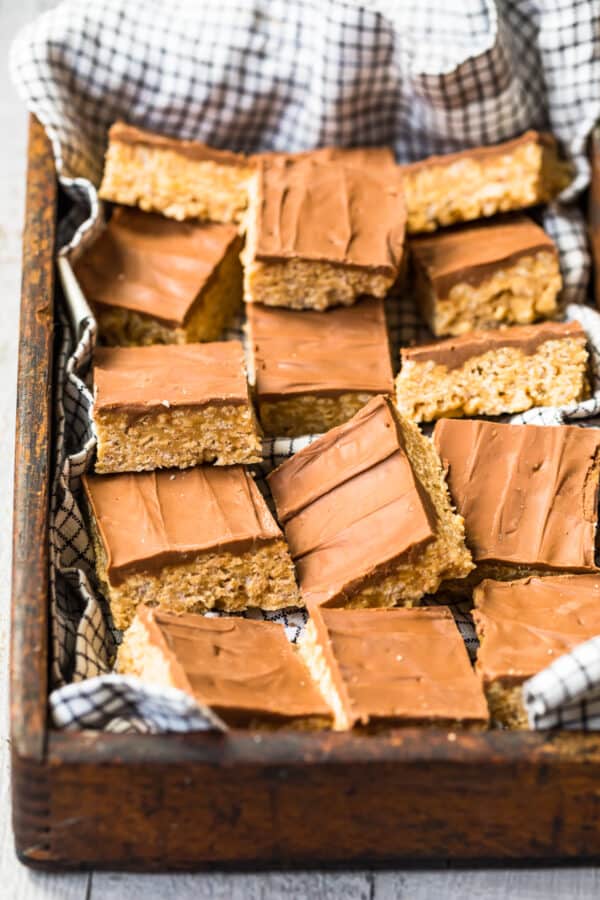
column 425, row 77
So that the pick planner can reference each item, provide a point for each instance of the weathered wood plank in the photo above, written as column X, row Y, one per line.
column 493, row 884
column 271, row 886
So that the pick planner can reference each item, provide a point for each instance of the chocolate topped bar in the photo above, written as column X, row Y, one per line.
column 394, row 666
column 129, row 134
column 349, row 456
column 472, row 253
column 329, row 212
column 454, row 352
column 355, row 512
column 244, row 670
column 528, row 494
column 485, row 154
column 153, row 265
column 322, row 353
column 523, row 626
column 146, row 520
column 138, row 379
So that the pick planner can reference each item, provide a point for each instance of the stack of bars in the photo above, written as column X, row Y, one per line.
column 378, row 528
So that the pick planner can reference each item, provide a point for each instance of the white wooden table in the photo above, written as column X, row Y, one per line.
column 17, row 882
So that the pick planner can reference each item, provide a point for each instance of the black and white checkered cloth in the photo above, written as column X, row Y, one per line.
column 425, row 76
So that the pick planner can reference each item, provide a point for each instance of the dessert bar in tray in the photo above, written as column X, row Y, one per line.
column 371, row 526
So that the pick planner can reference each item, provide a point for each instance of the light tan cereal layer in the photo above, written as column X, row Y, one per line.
column 311, row 652
column 212, row 312
column 519, row 293
column 470, row 188
column 500, row 381
column 176, row 438
column 505, row 702
column 309, row 413
column 164, row 181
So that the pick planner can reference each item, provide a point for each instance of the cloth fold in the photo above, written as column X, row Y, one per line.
column 424, row 77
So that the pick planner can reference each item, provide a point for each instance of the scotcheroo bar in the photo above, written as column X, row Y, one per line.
column 367, row 514
column 246, row 671
column 524, row 626
column 151, row 280
column 315, row 370
column 189, row 541
column 494, row 372
column 528, row 495
column 178, row 178
column 322, row 234
column 385, row 668
column 173, row 406
column 485, row 276
column 482, row 181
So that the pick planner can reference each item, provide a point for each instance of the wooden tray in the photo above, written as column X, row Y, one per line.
column 246, row 800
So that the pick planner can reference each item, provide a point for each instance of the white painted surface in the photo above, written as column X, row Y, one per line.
column 17, row 882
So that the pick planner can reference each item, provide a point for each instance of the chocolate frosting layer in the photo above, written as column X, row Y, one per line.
column 153, row 265
column 327, row 353
column 483, row 153
column 137, row 379
column 528, row 494
column 331, row 212
column 455, row 352
column 471, row 253
column 352, row 504
column 239, row 667
column 130, row 134
column 524, row 625
column 401, row 664
column 147, row 520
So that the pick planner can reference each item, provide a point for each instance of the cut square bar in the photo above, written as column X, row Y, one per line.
column 528, row 494
column 322, row 234
column 482, row 181
column 151, row 280
column 187, row 541
column 389, row 668
column 173, row 406
column 246, row 671
column 485, row 276
column 367, row 514
column 523, row 627
column 494, row 372
column 315, row 370
column 180, row 179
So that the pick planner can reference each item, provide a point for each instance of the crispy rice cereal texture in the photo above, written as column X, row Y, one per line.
column 466, row 187
column 505, row 380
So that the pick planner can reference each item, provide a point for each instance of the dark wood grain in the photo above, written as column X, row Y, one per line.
column 311, row 800
column 29, row 640
column 87, row 800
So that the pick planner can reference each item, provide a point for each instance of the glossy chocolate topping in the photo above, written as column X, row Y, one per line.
column 239, row 667
column 149, row 519
column 128, row 134
column 471, row 253
column 525, row 625
column 153, row 265
column 327, row 353
column 455, row 352
column 483, row 153
column 401, row 664
column 352, row 504
column 528, row 493
column 137, row 379
column 329, row 211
